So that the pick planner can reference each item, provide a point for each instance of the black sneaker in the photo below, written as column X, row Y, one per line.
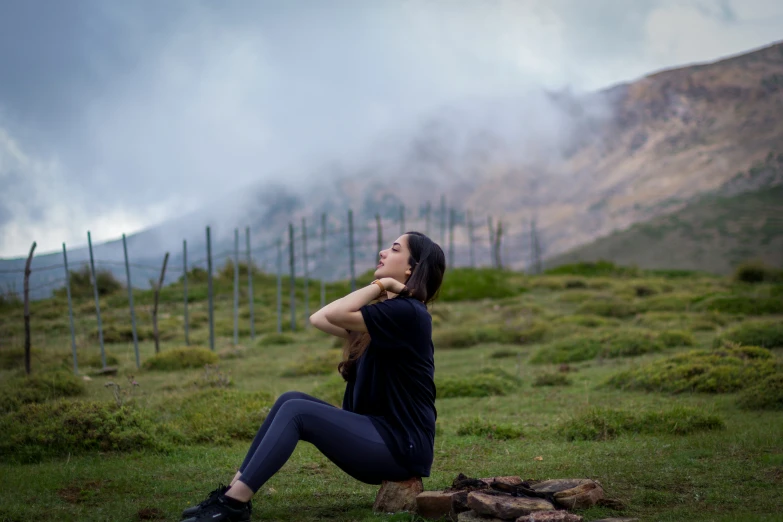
column 220, row 511
column 212, row 497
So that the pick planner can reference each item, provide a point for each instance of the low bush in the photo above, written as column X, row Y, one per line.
column 278, row 338
column 767, row 334
column 37, row 388
column 478, row 427
column 90, row 360
column 608, row 307
column 757, row 272
column 606, row 343
column 81, row 283
column 467, row 336
column 215, row 415
column 315, row 364
column 764, row 395
column 551, row 379
column 588, row 321
column 592, row 269
column 721, row 370
column 181, row 358
column 471, row 284
column 504, row 353
column 485, row 383
column 674, row 302
column 672, row 338
column 742, row 304
column 58, row 428
column 606, row 424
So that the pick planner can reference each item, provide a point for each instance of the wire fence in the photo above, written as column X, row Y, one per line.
column 305, row 253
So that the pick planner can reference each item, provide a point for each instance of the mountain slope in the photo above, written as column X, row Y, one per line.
column 713, row 234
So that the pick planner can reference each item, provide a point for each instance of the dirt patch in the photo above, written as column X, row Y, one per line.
column 150, row 514
column 78, row 493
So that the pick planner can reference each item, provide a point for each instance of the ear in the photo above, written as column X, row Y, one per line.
column 408, row 272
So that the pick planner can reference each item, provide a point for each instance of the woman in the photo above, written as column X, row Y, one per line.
column 386, row 427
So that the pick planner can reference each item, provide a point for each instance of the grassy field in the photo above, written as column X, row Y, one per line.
column 644, row 381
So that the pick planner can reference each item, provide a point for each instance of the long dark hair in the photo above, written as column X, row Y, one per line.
column 428, row 264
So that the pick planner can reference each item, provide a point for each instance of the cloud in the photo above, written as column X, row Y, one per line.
column 116, row 116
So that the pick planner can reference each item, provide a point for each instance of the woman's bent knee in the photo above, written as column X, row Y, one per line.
column 291, row 395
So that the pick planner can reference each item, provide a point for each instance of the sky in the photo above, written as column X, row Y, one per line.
column 116, row 116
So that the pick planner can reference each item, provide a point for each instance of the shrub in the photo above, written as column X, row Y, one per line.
column 467, row 336
column 37, row 388
column 592, row 269
column 317, row 364
column 575, row 283
column 672, row 338
column 61, row 427
column 216, row 415
column 757, row 272
column 767, row 334
column 471, row 284
column 609, row 344
column 765, row 395
column 81, row 283
column 181, row 358
column 721, row 370
column 589, row 321
column 742, row 304
column 607, row 307
column 605, row 424
column 503, row 353
column 90, row 360
column 279, row 338
column 552, row 379
column 331, row 390
column 478, row 427
column 674, row 302
column 485, row 383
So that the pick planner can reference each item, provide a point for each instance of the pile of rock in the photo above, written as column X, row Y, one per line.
column 496, row 499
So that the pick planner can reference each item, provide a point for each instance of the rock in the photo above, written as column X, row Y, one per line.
column 572, row 493
column 434, row 504
column 108, row 370
column 550, row 516
column 394, row 497
column 511, row 481
column 472, row 516
column 459, row 502
column 505, row 506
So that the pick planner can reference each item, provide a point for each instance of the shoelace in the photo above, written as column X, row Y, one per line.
column 213, row 495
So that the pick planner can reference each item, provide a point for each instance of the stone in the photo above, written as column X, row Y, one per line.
column 505, row 506
column 550, row 516
column 394, row 497
column 472, row 516
column 572, row 493
column 511, row 481
column 459, row 502
column 434, row 504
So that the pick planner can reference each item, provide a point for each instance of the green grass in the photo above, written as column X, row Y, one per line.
column 71, row 453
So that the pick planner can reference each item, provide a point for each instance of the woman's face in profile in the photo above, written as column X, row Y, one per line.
column 393, row 262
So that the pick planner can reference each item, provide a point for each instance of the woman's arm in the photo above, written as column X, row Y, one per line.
column 345, row 312
column 318, row 320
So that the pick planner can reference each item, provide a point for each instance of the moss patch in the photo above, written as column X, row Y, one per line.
column 721, row 370
column 766, row 395
column 478, row 427
column 765, row 333
column 181, row 358
column 317, row 364
column 605, row 424
column 607, row 343
column 37, row 388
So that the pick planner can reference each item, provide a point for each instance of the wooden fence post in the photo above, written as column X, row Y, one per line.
column 155, row 306
column 70, row 311
column 27, row 310
column 97, row 301
column 130, row 302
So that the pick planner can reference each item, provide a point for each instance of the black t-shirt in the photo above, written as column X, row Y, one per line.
column 394, row 383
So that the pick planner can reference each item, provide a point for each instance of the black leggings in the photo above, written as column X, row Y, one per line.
column 348, row 439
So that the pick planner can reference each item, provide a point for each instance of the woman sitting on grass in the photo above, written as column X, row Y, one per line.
column 386, row 427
